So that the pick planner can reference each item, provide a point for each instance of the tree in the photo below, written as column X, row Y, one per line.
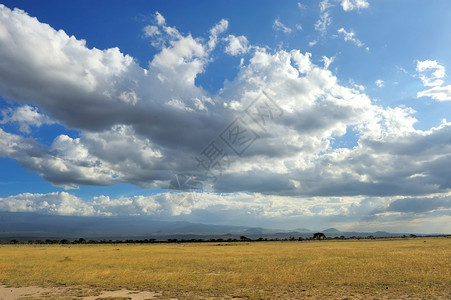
column 319, row 236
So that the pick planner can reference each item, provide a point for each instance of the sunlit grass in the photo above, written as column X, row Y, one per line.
column 336, row 269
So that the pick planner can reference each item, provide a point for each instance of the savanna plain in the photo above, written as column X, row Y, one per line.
column 410, row 268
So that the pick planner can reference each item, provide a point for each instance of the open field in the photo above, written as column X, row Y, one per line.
column 349, row 269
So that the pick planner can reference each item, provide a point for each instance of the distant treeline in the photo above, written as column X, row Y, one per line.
column 316, row 236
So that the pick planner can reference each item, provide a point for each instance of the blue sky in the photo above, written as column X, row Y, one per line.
column 106, row 104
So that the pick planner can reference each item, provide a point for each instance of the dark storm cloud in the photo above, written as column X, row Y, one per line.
column 419, row 205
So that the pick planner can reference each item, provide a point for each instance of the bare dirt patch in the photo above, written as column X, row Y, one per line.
column 34, row 292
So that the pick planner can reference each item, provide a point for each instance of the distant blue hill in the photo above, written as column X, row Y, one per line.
column 331, row 230
column 32, row 226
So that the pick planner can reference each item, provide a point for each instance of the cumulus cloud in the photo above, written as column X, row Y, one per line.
column 52, row 203
column 279, row 26
column 63, row 203
column 354, row 4
column 350, row 36
column 104, row 92
column 25, row 116
column 102, row 158
column 431, row 74
column 216, row 31
column 143, row 125
column 236, row 45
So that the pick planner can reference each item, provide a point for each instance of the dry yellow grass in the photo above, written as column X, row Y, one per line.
column 318, row 269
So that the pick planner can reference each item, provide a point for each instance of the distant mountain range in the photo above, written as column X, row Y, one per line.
column 31, row 226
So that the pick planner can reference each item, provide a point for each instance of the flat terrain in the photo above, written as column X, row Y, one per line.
column 418, row 268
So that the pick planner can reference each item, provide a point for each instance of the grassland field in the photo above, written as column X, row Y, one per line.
column 416, row 268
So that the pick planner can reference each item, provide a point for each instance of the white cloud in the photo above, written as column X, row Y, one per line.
column 219, row 28
column 181, row 63
column 160, row 19
column 25, row 116
column 66, row 204
column 95, row 158
column 216, row 31
column 312, row 43
column 52, row 203
column 350, row 36
column 431, row 74
column 298, row 27
column 440, row 93
column 357, row 86
column 279, row 26
column 354, row 4
column 151, row 30
column 379, row 83
column 160, row 33
column 301, row 6
column 324, row 5
column 237, row 45
column 328, row 61
column 324, row 21
column 252, row 209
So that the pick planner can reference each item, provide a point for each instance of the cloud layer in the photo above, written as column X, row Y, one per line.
column 269, row 133
column 347, row 213
column 141, row 126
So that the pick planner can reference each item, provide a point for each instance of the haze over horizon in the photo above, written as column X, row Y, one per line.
column 314, row 114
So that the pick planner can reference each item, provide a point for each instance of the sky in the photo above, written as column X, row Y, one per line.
column 278, row 114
